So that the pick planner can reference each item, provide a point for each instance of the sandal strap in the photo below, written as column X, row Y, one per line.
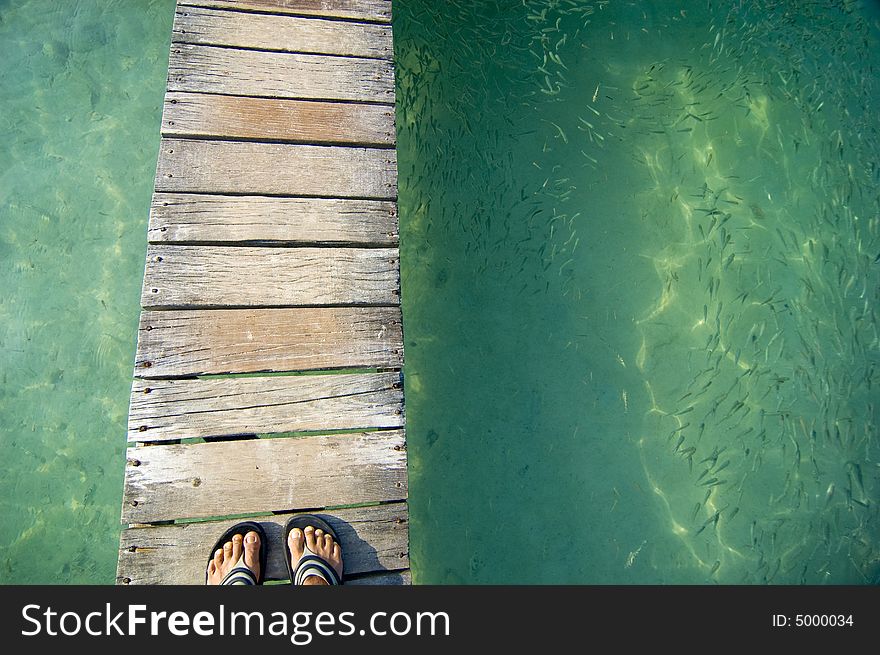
column 239, row 575
column 310, row 564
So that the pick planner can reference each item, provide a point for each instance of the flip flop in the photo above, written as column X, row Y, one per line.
column 241, row 574
column 310, row 563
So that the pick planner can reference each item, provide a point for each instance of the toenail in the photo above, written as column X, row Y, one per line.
column 251, row 537
column 309, row 527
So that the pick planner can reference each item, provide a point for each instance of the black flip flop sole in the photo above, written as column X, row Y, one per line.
column 242, row 528
column 301, row 521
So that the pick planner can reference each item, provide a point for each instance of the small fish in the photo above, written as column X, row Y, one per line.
column 829, row 493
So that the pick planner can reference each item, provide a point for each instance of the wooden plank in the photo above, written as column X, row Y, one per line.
column 209, row 69
column 217, row 276
column 387, row 578
column 236, row 29
column 175, row 409
column 373, row 10
column 188, row 343
column 166, row 482
column 373, row 539
column 276, row 169
column 267, row 119
column 193, row 218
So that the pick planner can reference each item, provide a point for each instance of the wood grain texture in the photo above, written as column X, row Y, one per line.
column 161, row 410
column 209, row 69
column 388, row 578
column 185, row 217
column 276, row 169
column 165, row 482
column 312, row 35
column 217, row 276
column 373, row 539
column 197, row 342
column 267, row 119
column 278, row 131
column 373, row 10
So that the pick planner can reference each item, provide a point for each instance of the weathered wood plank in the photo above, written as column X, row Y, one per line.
column 217, row 276
column 203, row 26
column 387, row 578
column 373, row 10
column 187, row 343
column 209, row 69
column 186, row 217
column 175, row 409
column 373, row 539
column 267, row 119
column 274, row 168
column 165, row 482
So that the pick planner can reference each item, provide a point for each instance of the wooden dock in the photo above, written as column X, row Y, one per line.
column 268, row 370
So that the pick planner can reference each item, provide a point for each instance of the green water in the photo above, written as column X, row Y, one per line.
column 81, row 104
column 640, row 251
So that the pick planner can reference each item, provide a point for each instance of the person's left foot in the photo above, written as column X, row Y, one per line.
column 227, row 557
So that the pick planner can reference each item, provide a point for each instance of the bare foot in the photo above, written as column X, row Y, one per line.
column 227, row 557
column 321, row 544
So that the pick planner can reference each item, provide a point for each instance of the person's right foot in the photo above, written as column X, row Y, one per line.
column 227, row 557
column 320, row 543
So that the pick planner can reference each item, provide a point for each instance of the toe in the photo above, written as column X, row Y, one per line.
column 236, row 547
column 295, row 542
column 227, row 551
column 310, row 534
column 336, row 559
column 252, row 552
column 218, row 558
column 328, row 544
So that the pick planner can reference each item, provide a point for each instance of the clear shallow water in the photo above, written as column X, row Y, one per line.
column 640, row 279
column 81, row 104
